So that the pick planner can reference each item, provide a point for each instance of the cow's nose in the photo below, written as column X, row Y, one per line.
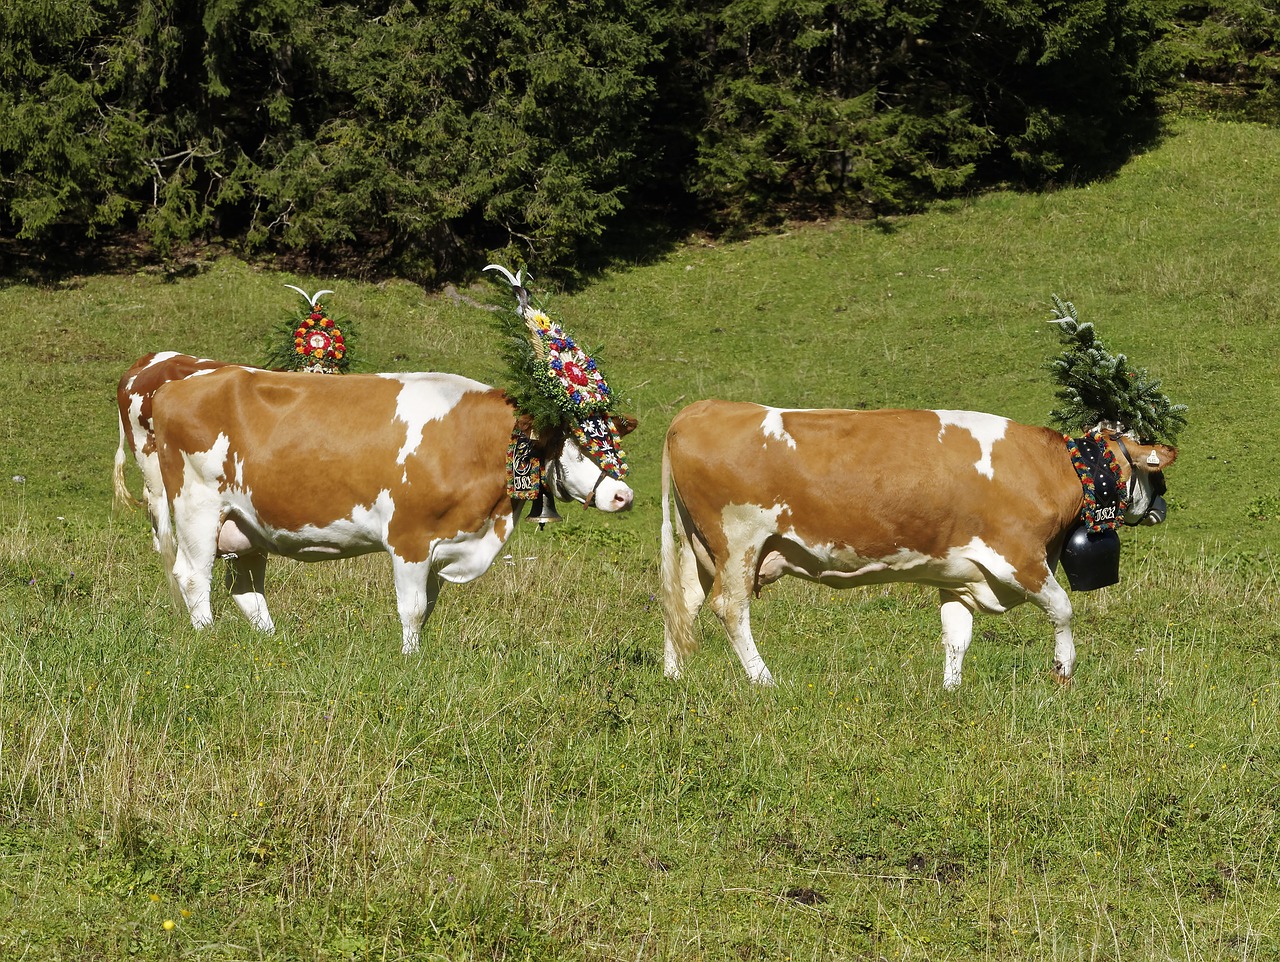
column 621, row 500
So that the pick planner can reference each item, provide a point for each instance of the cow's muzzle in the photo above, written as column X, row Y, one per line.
column 1155, row 514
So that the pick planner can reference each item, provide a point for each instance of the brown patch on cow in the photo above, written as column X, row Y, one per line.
column 313, row 449
column 502, row 528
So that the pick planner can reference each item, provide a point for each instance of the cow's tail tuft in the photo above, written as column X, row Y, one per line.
column 122, row 498
column 677, row 616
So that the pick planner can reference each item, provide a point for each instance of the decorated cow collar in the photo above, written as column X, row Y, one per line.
column 1105, row 498
column 559, row 387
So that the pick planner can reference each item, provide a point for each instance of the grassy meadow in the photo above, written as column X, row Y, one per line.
column 529, row 787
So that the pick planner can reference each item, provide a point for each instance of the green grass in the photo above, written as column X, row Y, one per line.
column 530, row 787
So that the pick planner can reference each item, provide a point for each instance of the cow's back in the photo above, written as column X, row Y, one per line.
column 874, row 481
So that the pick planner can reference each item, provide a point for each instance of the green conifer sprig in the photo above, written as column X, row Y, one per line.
column 525, row 373
column 1096, row 385
column 528, row 381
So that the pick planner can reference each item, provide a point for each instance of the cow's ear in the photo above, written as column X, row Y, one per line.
column 1160, row 457
column 624, row 424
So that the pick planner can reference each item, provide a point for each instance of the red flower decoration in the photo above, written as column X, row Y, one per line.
column 574, row 373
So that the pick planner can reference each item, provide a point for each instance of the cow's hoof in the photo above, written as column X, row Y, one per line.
column 1060, row 678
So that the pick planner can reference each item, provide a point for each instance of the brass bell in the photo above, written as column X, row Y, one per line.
column 543, row 508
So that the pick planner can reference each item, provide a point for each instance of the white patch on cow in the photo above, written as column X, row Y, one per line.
column 581, row 479
column 424, row 398
column 957, row 633
column 986, row 429
column 970, row 570
column 206, row 465
column 772, row 426
column 135, row 422
column 839, row 567
column 160, row 358
column 745, row 523
column 746, row 528
column 466, row 557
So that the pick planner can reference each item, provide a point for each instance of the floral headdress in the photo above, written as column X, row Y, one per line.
column 555, row 382
column 1099, row 388
column 312, row 340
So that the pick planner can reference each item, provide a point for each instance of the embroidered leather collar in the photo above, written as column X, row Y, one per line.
column 1104, row 494
column 524, row 468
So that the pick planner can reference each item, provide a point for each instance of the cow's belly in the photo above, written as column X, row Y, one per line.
column 339, row 540
column 459, row 559
column 968, row 570
column 362, row 532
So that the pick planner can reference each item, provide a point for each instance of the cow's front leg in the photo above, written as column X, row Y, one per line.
column 1055, row 601
column 957, row 632
column 417, row 588
column 246, row 580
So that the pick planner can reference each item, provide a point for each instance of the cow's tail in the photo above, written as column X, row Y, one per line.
column 676, row 613
column 122, row 497
column 166, row 544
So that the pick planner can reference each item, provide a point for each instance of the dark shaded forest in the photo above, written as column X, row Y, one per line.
column 420, row 137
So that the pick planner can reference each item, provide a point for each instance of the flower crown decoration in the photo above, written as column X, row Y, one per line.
column 1099, row 388
column 553, row 380
column 312, row 340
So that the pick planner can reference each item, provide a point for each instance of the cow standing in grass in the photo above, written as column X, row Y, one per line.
column 974, row 504
column 254, row 463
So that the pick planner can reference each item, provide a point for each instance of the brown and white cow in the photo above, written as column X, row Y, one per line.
column 134, row 392
column 255, row 463
column 974, row 504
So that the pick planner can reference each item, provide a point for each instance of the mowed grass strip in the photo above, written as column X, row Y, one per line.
column 529, row 786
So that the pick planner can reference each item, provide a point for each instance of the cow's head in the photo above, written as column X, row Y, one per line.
column 1146, row 487
column 584, row 464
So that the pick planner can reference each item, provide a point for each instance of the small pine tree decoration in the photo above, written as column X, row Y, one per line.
column 1099, row 387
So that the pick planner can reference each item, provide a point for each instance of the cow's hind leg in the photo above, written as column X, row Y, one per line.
column 246, row 579
column 196, row 531
column 417, row 588
column 731, row 601
column 957, row 632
